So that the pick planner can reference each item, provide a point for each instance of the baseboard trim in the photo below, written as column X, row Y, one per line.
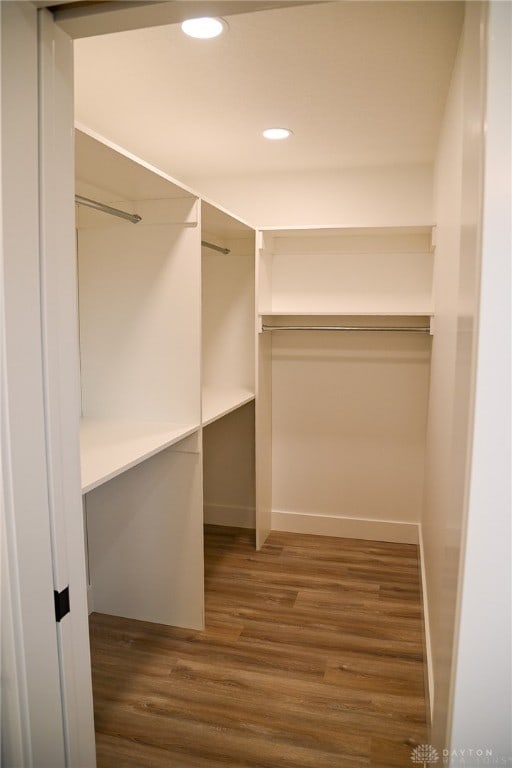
column 346, row 527
column 429, row 669
column 237, row 517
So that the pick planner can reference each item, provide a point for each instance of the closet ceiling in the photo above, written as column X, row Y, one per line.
column 361, row 84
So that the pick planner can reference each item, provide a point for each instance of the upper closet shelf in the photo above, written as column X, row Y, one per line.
column 109, row 448
column 315, row 231
column 219, row 402
column 386, row 272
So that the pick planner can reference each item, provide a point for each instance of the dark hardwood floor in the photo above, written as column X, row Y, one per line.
column 312, row 658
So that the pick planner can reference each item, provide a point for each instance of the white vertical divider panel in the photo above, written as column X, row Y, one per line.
column 32, row 724
column 263, row 399
column 62, row 381
column 146, row 539
column 264, row 262
column 228, row 368
column 228, row 315
column 228, row 306
column 140, row 333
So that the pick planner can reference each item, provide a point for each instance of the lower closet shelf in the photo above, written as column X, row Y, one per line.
column 220, row 402
column 110, row 447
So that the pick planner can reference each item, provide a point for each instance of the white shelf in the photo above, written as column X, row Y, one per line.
column 315, row 230
column 373, row 272
column 219, row 402
column 109, row 448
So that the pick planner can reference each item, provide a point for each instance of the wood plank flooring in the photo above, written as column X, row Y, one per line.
column 312, row 658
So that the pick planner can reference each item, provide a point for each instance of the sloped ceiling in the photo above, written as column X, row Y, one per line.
column 361, row 84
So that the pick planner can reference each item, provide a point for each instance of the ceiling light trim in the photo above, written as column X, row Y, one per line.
column 204, row 27
column 277, row 134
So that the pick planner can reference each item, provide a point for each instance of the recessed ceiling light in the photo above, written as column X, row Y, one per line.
column 204, row 28
column 277, row 133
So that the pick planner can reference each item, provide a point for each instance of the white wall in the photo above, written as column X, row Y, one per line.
column 482, row 696
column 228, row 469
column 352, row 197
column 441, row 525
column 457, row 213
column 348, row 433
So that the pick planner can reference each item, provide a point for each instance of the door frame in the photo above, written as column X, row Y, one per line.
column 32, row 725
column 61, row 372
column 47, row 712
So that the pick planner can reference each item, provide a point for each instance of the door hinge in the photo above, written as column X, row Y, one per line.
column 61, row 600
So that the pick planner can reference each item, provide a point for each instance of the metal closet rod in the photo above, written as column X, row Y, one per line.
column 404, row 329
column 133, row 217
column 214, row 247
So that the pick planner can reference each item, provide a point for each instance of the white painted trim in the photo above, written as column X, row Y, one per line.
column 91, row 20
column 426, row 618
column 61, row 381
column 13, row 703
column 481, row 685
column 90, row 599
column 32, row 703
column 238, row 517
column 345, row 527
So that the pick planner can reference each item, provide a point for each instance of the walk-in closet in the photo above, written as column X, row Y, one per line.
column 168, row 340
column 271, row 377
column 180, row 304
column 270, row 302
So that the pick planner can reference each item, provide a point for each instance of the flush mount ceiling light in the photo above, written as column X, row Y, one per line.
column 275, row 134
column 204, row 28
